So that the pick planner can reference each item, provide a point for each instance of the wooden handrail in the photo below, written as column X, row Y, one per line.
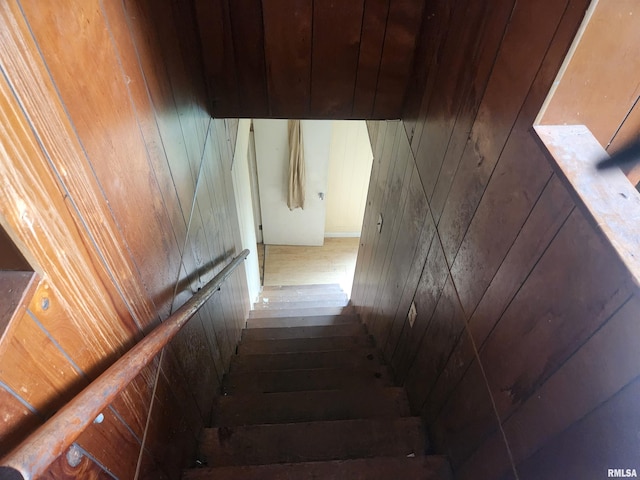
column 34, row 455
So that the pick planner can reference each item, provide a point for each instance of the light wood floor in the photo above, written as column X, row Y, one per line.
column 334, row 262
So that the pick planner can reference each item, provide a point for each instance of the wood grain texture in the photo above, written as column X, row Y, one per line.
column 336, row 45
column 86, row 468
column 517, row 255
column 17, row 420
column 100, row 176
column 288, row 62
column 374, row 25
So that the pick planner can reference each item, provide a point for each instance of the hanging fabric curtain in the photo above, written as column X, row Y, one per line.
column 295, row 196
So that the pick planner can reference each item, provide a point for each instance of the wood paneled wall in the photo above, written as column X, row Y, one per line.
column 116, row 186
column 308, row 58
column 522, row 359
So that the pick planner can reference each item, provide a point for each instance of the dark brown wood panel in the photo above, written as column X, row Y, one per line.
column 214, row 26
column 440, row 338
column 604, row 439
column 562, row 273
column 396, row 63
column 307, row 59
column 248, row 46
column 453, row 108
column 288, row 61
column 546, row 218
column 112, row 444
column 374, row 25
column 336, row 43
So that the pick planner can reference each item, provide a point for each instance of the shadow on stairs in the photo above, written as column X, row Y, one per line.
column 309, row 397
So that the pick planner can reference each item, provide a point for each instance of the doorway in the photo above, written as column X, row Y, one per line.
column 348, row 163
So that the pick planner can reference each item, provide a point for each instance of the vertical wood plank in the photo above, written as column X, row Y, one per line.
column 403, row 26
column 17, row 421
column 374, row 25
column 288, row 63
column 218, row 55
column 575, row 263
column 336, row 44
column 248, row 46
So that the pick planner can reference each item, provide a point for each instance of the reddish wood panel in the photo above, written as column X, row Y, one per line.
column 112, row 444
column 85, row 468
column 106, row 122
column 336, row 45
column 288, row 62
column 18, row 419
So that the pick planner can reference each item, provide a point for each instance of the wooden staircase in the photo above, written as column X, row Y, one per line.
column 309, row 397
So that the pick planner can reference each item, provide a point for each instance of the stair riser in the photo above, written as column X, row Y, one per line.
column 317, row 441
column 310, row 321
column 313, row 303
column 296, row 361
column 303, row 332
column 325, row 344
column 297, row 312
column 320, row 405
column 303, row 297
column 307, row 380
column 426, row 468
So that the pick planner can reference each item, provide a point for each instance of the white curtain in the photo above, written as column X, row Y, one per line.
column 295, row 195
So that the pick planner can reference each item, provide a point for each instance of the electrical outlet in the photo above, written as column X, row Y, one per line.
column 412, row 314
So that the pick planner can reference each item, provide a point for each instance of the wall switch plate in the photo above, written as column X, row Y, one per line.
column 412, row 314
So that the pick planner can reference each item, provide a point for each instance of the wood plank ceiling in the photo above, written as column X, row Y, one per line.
column 308, row 58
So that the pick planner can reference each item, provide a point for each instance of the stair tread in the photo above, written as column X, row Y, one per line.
column 353, row 358
column 293, row 345
column 325, row 301
column 431, row 467
column 275, row 333
column 307, row 380
column 300, row 296
column 302, row 311
column 302, row 321
column 308, row 406
column 313, row 441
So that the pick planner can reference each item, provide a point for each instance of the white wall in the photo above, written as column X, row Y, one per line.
column 281, row 226
column 244, row 207
column 349, row 171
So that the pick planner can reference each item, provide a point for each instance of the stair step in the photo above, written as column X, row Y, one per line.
column 292, row 345
column 313, row 441
column 265, row 297
column 340, row 301
column 293, row 407
column 432, row 467
column 302, row 321
column 296, row 290
column 294, row 361
column 301, row 312
column 347, row 330
column 307, row 380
